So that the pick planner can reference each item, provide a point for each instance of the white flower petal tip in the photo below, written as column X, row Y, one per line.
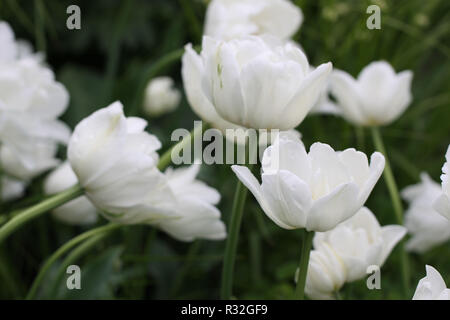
column 432, row 286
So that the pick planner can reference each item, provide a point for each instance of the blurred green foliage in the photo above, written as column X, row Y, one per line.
column 108, row 59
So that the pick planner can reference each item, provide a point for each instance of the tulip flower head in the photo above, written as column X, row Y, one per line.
column 442, row 203
column 377, row 97
column 427, row 227
column 315, row 190
column 432, row 287
column 229, row 19
column 253, row 82
column 79, row 211
column 31, row 100
column 344, row 253
column 161, row 97
column 115, row 162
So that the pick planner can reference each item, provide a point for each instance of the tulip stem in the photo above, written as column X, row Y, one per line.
column 303, row 265
column 240, row 197
column 63, row 249
column 233, row 236
column 74, row 256
column 389, row 176
column 33, row 212
column 166, row 158
column 396, row 202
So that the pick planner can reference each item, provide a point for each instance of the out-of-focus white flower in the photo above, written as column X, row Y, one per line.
column 431, row 287
column 360, row 242
column 253, row 82
column 427, row 227
column 161, row 96
column 229, row 19
column 115, row 162
column 326, row 273
column 198, row 216
column 40, row 157
column 315, row 190
column 79, row 211
column 378, row 97
column 442, row 203
column 11, row 188
column 30, row 103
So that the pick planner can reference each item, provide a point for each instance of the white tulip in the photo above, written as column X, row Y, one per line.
column 315, row 190
column 432, row 287
column 11, row 188
column 115, row 162
column 427, row 227
column 30, row 103
column 377, row 97
column 161, row 96
column 198, row 217
column 360, row 242
column 326, row 274
column 229, row 19
column 252, row 82
column 79, row 211
column 442, row 203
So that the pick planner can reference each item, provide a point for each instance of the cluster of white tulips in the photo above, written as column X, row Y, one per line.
column 248, row 74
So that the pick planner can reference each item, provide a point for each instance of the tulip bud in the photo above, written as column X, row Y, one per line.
column 161, row 97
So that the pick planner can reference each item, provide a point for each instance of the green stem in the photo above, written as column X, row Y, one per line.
column 39, row 16
column 232, row 240
column 240, row 196
column 114, row 50
column 166, row 158
column 389, row 176
column 192, row 19
column 74, row 256
column 303, row 265
column 396, row 202
column 62, row 250
column 38, row 209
